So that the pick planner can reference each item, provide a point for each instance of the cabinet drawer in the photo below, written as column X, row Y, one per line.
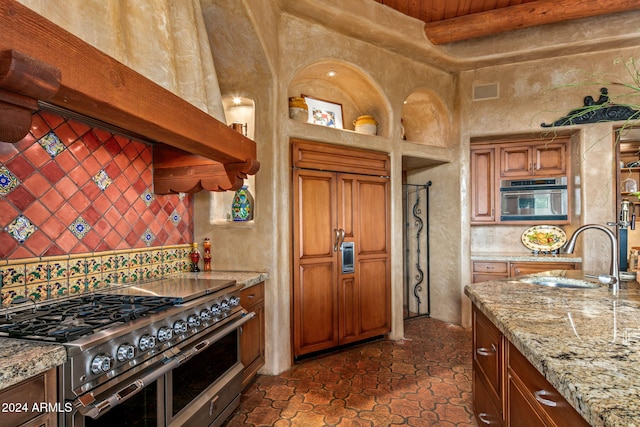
column 478, row 278
column 540, row 393
column 524, row 268
column 251, row 296
column 486, row 408
column 487, row 351
column 24, row 395
column 490, row 267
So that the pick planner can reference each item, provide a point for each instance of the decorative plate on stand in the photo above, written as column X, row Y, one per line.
column 544, row 238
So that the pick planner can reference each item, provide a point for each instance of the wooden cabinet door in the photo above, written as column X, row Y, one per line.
column 363, row 212
column 483, row 185
column 516, row 161
column 488, row 367
column 315, row 289
column 549, row 159
column 252, row 339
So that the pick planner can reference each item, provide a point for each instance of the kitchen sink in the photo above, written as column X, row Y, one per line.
column 560, row 282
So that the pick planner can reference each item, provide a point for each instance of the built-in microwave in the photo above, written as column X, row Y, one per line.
column 537, row 199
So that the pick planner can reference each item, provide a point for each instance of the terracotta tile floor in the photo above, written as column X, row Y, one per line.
column 422, row 381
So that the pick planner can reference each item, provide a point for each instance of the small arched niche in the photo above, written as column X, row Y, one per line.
column 425, row 119
column 240, row 114
column 342, row 83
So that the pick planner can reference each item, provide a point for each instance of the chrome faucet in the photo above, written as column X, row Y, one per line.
column 614, row 269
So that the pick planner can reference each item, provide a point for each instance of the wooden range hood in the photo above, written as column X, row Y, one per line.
column 40, row 61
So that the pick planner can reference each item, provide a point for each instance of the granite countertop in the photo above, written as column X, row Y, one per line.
column 586, row 342
column 246, row 278
column 22, row 359
column 530, row 257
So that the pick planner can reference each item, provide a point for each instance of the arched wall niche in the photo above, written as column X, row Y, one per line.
column 425, row 119
column 238, row 109
column 343, row 83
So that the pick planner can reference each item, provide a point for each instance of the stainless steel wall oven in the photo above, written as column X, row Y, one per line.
column 541, row 199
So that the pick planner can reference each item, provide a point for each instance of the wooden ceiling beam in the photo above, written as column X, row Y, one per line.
column 521, row 16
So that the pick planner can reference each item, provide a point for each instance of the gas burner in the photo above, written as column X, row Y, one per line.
column 83, row 315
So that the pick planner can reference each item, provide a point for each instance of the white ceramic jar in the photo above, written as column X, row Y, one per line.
column 366, row 124
column 298, row 109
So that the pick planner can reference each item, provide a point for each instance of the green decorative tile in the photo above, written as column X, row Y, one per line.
column 21, row 228
column 10, row 293
column 102, row 180
column 37, row 291
column 77, row 267
column 36, row 272
column 95, row 282
column 146, row 258
column 58, row 271
column 52, row 144
column 13, row 275
column 94, row 265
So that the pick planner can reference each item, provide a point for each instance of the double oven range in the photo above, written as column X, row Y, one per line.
column 162, row 353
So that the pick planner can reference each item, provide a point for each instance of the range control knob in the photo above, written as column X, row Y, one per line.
column 224, row 305
column 234, row 301
column 125, row 352
column 193, row 321
column 164, row 334
column 215, row 309
column 147, row 342
column 205, row 315
column 100, row 364
column 180, row 327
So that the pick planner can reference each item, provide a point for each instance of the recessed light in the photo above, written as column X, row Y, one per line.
column 331, row 73
column 237, row 100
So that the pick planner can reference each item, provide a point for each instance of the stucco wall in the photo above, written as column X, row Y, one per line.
column 248, row 64
column 164, row 40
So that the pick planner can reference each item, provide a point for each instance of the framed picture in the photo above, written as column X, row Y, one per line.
column 324, row 113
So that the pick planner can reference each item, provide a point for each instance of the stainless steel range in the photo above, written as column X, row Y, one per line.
column 162, row 353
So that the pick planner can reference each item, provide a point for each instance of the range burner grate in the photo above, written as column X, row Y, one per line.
column 80, row 316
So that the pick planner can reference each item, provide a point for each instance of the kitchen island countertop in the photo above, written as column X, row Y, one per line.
column 586, row 342
column 23, row 359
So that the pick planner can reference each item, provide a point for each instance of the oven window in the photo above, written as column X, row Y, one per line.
column 197, row 374
column 140, row 410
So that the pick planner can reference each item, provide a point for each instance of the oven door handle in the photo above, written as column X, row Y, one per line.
column 186, row 355
column 94, row 411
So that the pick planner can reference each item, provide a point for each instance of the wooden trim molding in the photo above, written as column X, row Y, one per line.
column 95, row 85
column 176, row 171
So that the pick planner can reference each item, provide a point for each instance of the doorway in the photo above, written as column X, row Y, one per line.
column 416, row 248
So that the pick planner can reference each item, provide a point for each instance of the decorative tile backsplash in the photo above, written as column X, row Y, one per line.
column 69, row 188
column 78, row 213
column 47, row 278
